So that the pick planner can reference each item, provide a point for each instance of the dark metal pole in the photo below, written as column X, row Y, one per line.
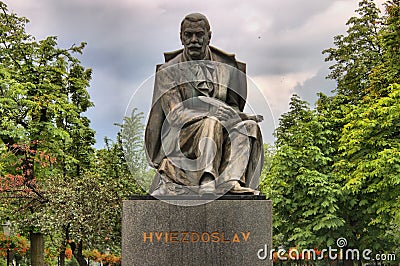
column 8, row 256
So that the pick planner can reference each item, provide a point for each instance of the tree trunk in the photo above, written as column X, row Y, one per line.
column 77, row 251
column 37, row 249
column 347, row 261
column 62, row 257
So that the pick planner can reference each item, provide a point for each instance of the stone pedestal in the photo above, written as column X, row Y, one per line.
column 231, row 230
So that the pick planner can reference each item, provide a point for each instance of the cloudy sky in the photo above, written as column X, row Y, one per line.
column 280, row 40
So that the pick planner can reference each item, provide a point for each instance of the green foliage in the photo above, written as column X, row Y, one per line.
column 370, row 163
column 124, row 160
column 84, row 209
column 130, row 140
column 43, row 92
column 366, row 164
column 388, row 72
column 357, row 53
column 52, row 180
column 304, row 196
column 44, row 134
column 336, row 169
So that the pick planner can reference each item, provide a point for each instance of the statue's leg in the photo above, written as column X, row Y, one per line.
column 237, row 158
column 203, row 145
column 208, row 151
column 195, row 162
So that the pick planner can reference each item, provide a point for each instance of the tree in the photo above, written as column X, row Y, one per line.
column 130, row 141
column 370, row 169
column 299, row 183
column 349, row 143
column 43, row 133
column 52, row 181
column 89, row 210
column 357, row 53
column 388, row 72
column 368, row 164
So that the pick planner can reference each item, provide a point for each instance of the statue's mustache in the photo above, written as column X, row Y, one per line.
column 194, row 46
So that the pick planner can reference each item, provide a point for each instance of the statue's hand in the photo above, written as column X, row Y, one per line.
column 259, row 118
column 225, row 113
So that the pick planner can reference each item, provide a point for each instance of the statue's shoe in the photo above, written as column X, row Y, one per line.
column 238, row 189
column 207, row 189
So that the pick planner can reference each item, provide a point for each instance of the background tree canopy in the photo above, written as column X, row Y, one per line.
column 54, row 185
column 336, row 169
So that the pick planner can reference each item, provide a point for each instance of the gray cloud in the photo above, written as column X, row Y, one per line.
column 309, row 88
column 126, row 39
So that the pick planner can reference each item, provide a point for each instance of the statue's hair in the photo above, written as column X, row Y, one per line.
column 195, row 17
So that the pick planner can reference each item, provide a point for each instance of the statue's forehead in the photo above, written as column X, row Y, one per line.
column 194, row 26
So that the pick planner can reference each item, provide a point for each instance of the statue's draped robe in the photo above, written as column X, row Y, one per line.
column 184, row 140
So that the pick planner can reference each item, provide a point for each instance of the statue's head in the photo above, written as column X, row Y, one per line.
column 195, row 35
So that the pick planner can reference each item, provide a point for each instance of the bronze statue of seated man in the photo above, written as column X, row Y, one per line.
column 197, row 136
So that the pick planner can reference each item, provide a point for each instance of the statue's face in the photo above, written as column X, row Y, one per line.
column 195, row 38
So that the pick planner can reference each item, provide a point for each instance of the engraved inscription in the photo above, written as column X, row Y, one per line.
column 194, row 237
